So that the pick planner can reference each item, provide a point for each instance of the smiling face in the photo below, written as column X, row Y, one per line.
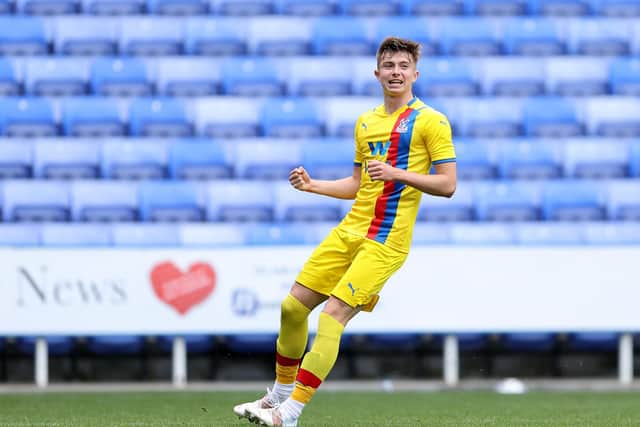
column 396, row 73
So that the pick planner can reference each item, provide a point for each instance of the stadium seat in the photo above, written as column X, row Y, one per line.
column 22, row 35
column 75, row 235
column 178, row 7
column 328, row 158
column 227, row 117
column 430, row 234
column 251, row 343
column 88, row 36
column 36, row 201
column 19, row 235
column 244, row 7
column 363, row 81
column 7, row 7
column 251, row 76
column 104, row 201
column 412, row 28
column 443, row 209
column 120, row 77
column 306, row 8
column 183, row 77
column 568, row 200
column 196, row 343
column 551, row 118
column 481, row 234
column 291, row 118
column 27, row 117
column 109, row 345
column 599, row 37
column 613, row 117
column 288, row 233
column 47, row 7
column 171, row 201
column 159, row 117
column 56, row 77
column 615, row 234
column 559, row 7
column 489, row 118
column 10, row 85
column 200, row 159
column 496, row 7
column 57, row 345
column 340, row 36
column 208, row 235
column 368, row 7
column 533, row 37
column 624, row 76
column 549, row 233
column 279, row 36
column 573, row 76
column 446, row 77
column 469, row 37
column 59, row 159
column 341, row 113
column 150, row 36
column 292, row 205
column 15, row 159
column 214, row 37
column 532, row 159
column 433, row 7
column 512, row 76
column 634, row 160
column 126, row 159
column 623, row 200
column 600, row 159
column 313, row 76
column 145, row 235
column 239, row 201
column 266, row 159
column 93, row 117
column 617, row 8
column 475, row 160
column 528, row 341
column 593, row 341
column 507, row 201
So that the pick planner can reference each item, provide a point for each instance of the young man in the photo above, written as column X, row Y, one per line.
column 395, row 145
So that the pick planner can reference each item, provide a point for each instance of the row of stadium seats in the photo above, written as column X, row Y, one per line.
column 255, row 201
column 326, row 7
column 273, row 159
column 234, row 117
column 315, row 36
column 314, row 76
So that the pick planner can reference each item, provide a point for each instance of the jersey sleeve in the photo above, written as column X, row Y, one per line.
column 437, row 134
column 358, row 158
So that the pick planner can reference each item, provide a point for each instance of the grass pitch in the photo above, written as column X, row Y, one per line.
column 451, row 408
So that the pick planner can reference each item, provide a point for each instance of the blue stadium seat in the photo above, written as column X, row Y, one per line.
column 15, row 159
column 412, row 28
column 60, row 159
column 623, row 201
column 81, row 35
column 150, row 36
column 481, row 234
column 533, row 37
column 634, row 159
column 114, row 7
column 613, row 117
column 104, row 201
column 442, row 209
column 279, row 36
column 288, row 233
column 171, row 201
column 19, row 235
column 446, row 77
column 313, row 76
column 120, row 77
column 159, row 117
column 291, row 118
column 7, row 7
column 624, row 76
column 598, row 37
column 306, row 8
column 573, row 76
column 551, row 118
column 597, row 160
column 48, row 7
column 292, row 205
column 75, row 235
column 57, row 345
column 430, row 234
column 528, row 341
column 196, row 343
column 126, row 159
column 145, row 235
column 507, row 201
column 22, row 35
column 36, row 201
column 109, row 345
column 10, row 84
column 178, row 7
column 363, row 81
column 244, row 7
column 368, row 7
column 227, row 117
column 56, row 76
column 475, row 160
column 548, row 233
column 497, row 7
column 200, row 159
column 559, row 7
column 187, row 77
column 533, row 159
column 27, row 117
column 612, row 233
column 568, row 200
column 328, row 158
column 207, row 235
column 213, row 37
column 340, row 36
column 251, row 343
column 489, row 118
column 469, row 37
column 512, row 76
column 433, row 7
column 93, row 117
column 266, row 159
column 239, row 201
column 395, row 341
column 617, row 8
column 251, row 76
column 342, row 112
column 593, row 341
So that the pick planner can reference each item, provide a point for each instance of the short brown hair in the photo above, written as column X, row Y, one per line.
column 396, row 44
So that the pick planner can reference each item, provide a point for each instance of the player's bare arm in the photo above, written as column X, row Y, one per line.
column 441, row 183
column 344, row 188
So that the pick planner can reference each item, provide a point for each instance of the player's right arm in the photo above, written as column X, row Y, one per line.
column 343, row 188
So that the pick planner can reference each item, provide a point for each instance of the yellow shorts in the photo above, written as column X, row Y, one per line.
column 351, row 268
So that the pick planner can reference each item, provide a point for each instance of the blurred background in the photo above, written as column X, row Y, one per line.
column 173, row 125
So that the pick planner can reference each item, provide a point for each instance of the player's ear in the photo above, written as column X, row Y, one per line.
column 376, row 73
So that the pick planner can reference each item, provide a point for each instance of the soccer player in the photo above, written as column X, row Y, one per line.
column 396, row 144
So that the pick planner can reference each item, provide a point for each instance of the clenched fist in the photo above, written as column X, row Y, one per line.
column 300, row 179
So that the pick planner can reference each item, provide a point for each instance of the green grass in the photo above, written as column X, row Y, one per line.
column 327, row 409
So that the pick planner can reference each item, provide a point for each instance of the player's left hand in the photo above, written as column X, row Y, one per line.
column 380, row 171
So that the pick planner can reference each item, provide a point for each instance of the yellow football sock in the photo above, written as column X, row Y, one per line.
column 292, row 340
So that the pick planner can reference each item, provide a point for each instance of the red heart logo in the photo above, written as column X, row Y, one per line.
column 181, row 290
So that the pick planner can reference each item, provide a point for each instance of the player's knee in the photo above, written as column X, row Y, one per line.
column 293, row 310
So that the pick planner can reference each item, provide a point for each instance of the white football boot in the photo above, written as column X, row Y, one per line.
column 268, row 401
column 270, row 417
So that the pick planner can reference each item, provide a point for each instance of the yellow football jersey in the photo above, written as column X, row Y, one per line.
column 412, row 138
